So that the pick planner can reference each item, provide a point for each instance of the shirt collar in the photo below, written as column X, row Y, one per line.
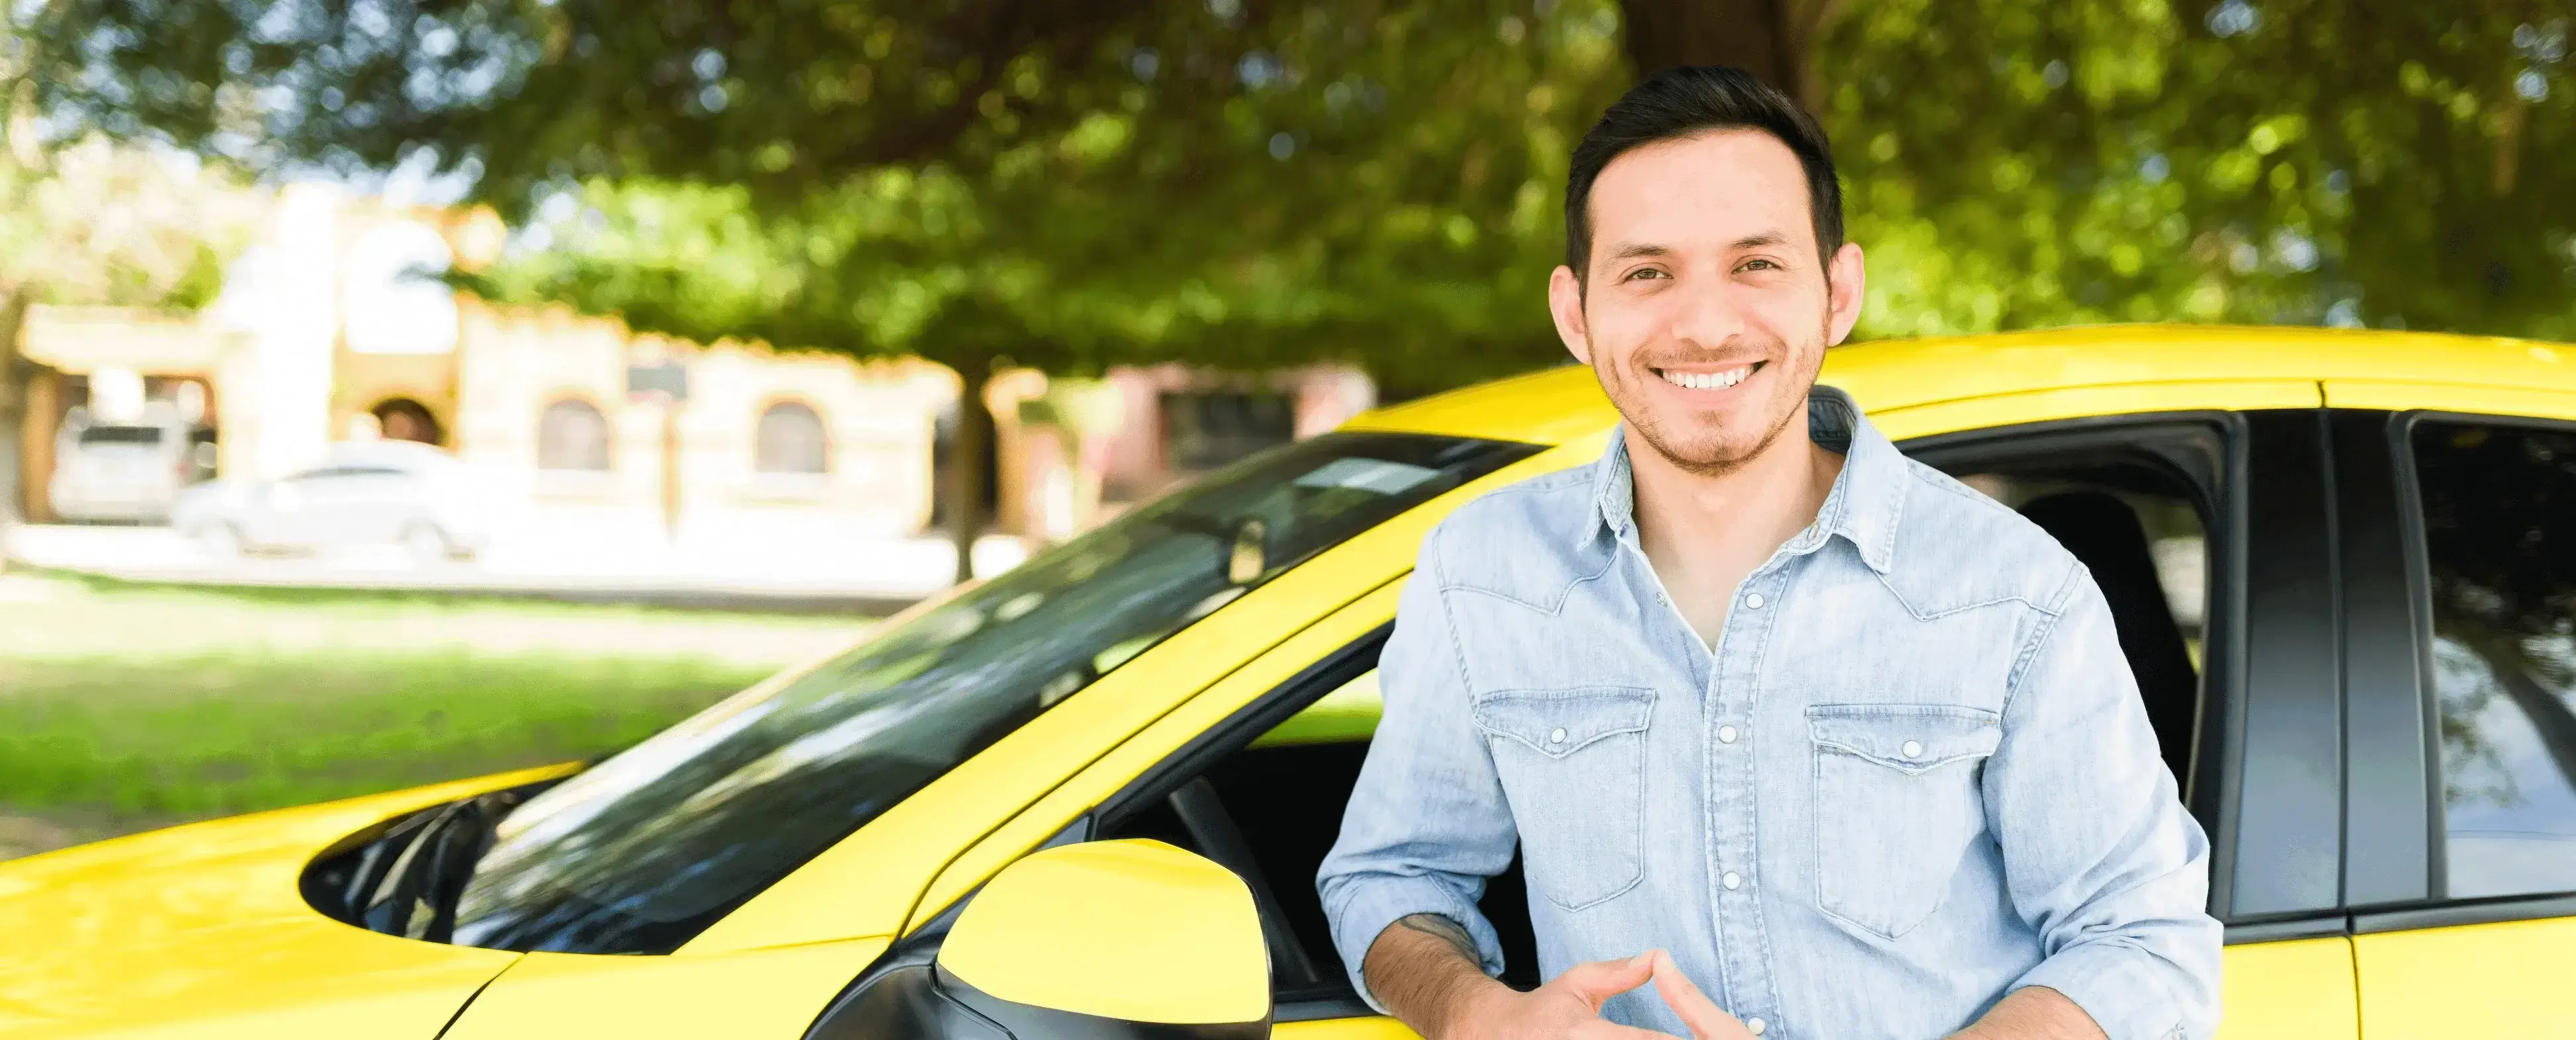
column 1863, row 507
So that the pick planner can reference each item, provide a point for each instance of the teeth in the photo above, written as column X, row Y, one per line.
column 1707, row 380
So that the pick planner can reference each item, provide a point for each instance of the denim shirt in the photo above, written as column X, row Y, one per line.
column 1913, row 774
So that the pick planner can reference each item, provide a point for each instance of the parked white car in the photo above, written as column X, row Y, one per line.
column 363, row 493
column 120, row 471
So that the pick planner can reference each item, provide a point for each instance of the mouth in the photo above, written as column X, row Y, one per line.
column 1709, row 379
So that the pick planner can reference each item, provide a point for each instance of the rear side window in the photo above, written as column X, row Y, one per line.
column 2499, row 521
column 120, row 435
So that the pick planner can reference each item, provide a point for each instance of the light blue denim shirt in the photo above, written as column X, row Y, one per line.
column 1913, row 775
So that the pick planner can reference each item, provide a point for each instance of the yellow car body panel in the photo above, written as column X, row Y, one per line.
column 1131, row 758
column 2296, row 989
column 2499, row 980
column 1165, row 936
column 752, row 994
column 201, row 931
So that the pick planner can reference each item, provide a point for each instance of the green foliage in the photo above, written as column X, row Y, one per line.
column 121, row 225
column 2017, row 165
column 1259, row 182
column 1070, row 184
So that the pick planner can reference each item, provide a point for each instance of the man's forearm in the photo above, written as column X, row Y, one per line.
column 1423, row 968
column 2033, row 1013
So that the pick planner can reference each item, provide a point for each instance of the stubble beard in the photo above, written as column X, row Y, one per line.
column 1719, row 462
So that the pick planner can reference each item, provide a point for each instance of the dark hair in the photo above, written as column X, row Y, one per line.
column 1686, row 102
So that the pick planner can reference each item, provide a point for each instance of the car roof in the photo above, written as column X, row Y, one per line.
column 400, row 454
column 1565, row 403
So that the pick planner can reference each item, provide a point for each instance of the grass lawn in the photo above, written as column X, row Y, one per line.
column 124, row 707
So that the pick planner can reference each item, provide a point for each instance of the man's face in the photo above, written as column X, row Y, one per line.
column 1706, row 311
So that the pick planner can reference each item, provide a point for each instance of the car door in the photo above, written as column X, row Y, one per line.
column 2260, row 734
column 2264, row 773
column 768, row 964
column 2461, row 593
column 300, row 510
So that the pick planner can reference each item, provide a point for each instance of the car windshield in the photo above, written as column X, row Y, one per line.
column 649, row 847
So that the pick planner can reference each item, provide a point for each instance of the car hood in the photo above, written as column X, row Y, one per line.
column 202, row 930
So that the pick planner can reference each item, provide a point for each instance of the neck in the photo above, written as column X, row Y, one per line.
column 1757, row 505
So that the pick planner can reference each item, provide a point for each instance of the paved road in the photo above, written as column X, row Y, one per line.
column 815, row 573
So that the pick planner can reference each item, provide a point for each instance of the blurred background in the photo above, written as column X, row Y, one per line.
column 394, row 390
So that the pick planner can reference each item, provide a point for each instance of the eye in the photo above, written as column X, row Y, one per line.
column 1644, row 272
column 1758, row 264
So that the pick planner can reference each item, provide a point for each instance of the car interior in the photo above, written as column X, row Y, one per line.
column 1267, row 801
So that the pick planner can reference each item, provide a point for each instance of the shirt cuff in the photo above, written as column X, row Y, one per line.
column 1369, row 907
column 2114, row 984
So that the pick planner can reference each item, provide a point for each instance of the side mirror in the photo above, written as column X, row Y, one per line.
column 1104, row 940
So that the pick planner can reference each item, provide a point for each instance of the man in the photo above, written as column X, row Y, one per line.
column 1764, row 704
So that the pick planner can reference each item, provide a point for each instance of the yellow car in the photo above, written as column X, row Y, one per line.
column 1087, row 798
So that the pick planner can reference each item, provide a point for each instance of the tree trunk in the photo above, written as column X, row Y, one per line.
column 13, row 413
column 966, row 464
column 1771, row 39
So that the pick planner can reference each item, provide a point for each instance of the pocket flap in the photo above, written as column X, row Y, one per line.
column 1909, row 737
column 1556, row 723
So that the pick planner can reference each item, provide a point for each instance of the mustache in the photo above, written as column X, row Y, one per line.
column 1726, row 358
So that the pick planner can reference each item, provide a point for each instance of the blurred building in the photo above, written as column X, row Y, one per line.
column 335, row 326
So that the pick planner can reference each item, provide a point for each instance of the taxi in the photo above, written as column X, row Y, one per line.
column 1088, row 796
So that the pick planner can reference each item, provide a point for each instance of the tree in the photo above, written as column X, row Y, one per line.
column 99, row 223
column 2355, row 162
column 1066, row 184
column 1266, row 181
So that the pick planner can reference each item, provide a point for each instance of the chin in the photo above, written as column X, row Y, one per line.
column 1701, row 450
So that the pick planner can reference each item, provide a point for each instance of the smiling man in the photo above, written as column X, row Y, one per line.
column 1763, row 704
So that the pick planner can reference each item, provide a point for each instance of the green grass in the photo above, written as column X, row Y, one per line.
column 127, row 706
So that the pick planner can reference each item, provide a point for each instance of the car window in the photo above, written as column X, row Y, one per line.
column 142, row 435
column 2499, row 521
column 649, row 847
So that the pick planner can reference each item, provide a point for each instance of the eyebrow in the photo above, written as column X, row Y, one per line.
column 1634, row 250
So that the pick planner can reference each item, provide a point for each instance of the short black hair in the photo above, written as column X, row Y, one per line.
column 1685, row 102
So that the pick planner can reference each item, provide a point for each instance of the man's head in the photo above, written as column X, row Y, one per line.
column 1705, row 270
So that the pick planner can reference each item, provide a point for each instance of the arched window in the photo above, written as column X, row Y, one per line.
column 790, row 440
column 404, row 419
column 572, row 435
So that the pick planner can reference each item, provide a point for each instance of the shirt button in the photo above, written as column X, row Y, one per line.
column 1754, row 601
column 1557, row 736
column 1755, row 1026
column 1912, row 748
column 1726, row 734
column 1732, row 881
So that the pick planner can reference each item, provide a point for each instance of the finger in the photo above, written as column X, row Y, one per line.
column 1603, row 1029
column 1599, row 981
column 1705, row 1019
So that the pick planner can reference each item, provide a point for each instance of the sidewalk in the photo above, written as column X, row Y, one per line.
column 808, row 571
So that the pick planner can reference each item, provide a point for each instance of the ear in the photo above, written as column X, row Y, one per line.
column 1565, row 301
column 1849, row 281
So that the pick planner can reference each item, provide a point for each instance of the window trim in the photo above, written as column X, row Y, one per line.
column 2435, row 908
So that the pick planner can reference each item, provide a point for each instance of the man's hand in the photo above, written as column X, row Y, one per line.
column 1702, row 1015
column 1425, row 969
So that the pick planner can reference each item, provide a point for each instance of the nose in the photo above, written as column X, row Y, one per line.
column 1706, row 316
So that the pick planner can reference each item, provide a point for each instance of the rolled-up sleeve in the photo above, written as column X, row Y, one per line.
column 2101, row 858
column 1427, row 823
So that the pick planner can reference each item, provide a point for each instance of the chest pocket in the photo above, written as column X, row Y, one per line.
column 1573, row 766
column 1897, row 802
